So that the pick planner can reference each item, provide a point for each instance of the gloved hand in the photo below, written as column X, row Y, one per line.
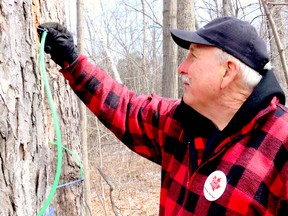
column 59, row 44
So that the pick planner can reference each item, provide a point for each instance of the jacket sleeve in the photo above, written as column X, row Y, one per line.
column 137, row 120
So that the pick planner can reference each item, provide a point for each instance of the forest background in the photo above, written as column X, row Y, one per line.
column 128, row 38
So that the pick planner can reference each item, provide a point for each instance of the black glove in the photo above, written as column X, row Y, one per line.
column 59, row 44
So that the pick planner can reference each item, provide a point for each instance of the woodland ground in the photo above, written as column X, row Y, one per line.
column 135, row 181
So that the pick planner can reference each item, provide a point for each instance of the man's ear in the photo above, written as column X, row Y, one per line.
column 232, row 69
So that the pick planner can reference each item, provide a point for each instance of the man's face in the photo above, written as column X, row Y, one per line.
column 201, row 73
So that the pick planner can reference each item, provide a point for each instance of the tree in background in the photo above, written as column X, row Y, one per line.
column 276, row 34
column 83, row 112
column 170, row 54
column 185, row 20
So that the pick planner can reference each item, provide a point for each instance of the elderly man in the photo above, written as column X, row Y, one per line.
column 223, row 148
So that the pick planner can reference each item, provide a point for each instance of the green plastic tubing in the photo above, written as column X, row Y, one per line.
column 56, row 126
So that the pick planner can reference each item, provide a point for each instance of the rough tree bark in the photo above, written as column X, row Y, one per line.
column 27, row 159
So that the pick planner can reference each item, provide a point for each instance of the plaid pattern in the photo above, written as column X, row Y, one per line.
column 254, row 160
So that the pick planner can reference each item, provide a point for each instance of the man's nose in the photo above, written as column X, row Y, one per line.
column 182, row 68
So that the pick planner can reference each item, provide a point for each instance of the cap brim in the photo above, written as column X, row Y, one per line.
column 184, row 38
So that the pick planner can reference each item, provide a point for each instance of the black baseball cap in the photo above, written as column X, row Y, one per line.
column 234, row 36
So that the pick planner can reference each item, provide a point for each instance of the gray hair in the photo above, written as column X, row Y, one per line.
column 248, row 76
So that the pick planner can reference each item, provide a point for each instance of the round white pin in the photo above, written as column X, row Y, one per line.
column 215, row 185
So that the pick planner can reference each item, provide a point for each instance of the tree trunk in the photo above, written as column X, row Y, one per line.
column 186, row 21
column 225, row 4
column 83, row 111
column 146, row 87
column 27, row 159
column 278, row 55
column 170, row 63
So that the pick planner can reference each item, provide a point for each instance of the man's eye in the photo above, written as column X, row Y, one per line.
column 193, row 56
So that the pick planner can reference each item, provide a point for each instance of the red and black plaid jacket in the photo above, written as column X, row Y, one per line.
column 252, row 152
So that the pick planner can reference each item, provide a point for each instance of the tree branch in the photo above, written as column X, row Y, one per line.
column 277, row 39
column 153, row 19
column 114, row 207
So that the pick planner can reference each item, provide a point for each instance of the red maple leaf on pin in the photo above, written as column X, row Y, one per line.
column 215, row 183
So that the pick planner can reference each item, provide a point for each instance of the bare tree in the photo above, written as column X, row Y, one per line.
column 83, row 111
column 144, row 49
column 170, row 61
column 278, row 33
column 225, row 7
column 186, row 21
